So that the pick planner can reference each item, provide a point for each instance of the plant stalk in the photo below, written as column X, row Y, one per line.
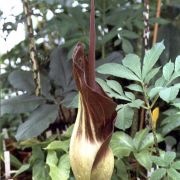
column 146, row 33
column 156, row 26
column 32, row 48
column 92, row 47
column 149, row 116
column 103, row 23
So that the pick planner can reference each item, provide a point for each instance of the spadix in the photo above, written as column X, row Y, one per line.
column 90, row 155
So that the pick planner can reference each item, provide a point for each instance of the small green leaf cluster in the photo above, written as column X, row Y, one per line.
column 49, row 159
column 148, row 82
column 131, row 67
column 170, row 121
column 125, row 111
column 58, row 167
column 164, row 85
column 140, row 146
column 168, row 167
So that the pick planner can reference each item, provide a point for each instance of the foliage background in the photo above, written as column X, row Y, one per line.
column 119, row 27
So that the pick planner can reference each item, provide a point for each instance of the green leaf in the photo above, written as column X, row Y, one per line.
column 160, row 82
column 175, row 175
column 139, row 137
column 136, row 103
column 168, row 70
column 109, row 91
column 174, row 76
column 59, row 145
column 58, row 170
column 178, row 86
column 170, row 118
column 170, row 112
column 143, row 157
column 176, row 104
column 135, row 87
column 61, row 72
column 120, row 152
column 159, row 161
column 52, row 161
column 104, row 85
column 20, row 104
column 168, row 94
column 52, row 158
column 115, row 86
column 15, row 162
column 177, row 64
column 109, row 36
column 130, row 95
column 151, row 57
column 169, row 157
column 160, row 21
column 174, row 122
column 126, row 46
column 114, row 176
column 50, row 2
column 124, row 117
column 71, row 101
column 60, row 65
column 154, row 91
column 114, row 57
column 170, row 141
column 158, row 174
column 37, row 154
column 176, row 165
column 39, row 171
column 122, row 139
column 132, row 62
column 23, row 80
column 149, row 140
column 64, row 167
column 121, row 144
column 121, row 169
column 117, row 42
column 117, row 70
column 68, row 132
column 22, row 169
column 37, row 122
column 128, row 34
column 177, row 69
column 151, row 74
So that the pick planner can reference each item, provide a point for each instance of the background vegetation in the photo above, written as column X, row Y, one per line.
column 36, row 130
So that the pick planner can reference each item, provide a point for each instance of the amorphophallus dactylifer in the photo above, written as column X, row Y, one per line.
column 90, row 155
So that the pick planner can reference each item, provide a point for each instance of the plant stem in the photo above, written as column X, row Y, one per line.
column 103, row 51
column 32, row 47
column 158, row 11
column 92, row 46
column 149, row 107
column 142, row 113
column 137, row 171
column 103, row 26
column 154, row 101
column 146, row 33
column 134, row 126
column 154, row 133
